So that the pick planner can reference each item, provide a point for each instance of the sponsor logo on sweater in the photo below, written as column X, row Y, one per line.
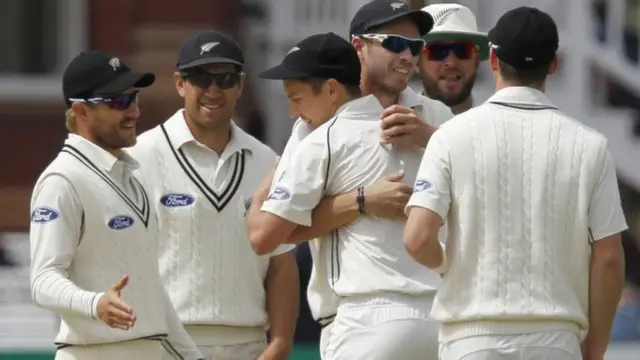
column 279, row 193
column 120, row 222
column 43, row 214
column 177, row 200
column 421, row 185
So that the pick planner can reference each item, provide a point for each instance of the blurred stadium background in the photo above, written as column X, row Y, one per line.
column 598, row 82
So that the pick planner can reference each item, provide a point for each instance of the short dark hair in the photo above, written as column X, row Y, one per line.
column 316, row 84
column 524, row 77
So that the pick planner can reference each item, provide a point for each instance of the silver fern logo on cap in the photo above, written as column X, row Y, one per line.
column 114, row 63
column 208, row 46
column 295, row 48
column 398, row 5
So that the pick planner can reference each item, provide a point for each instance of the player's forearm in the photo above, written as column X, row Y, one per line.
column 331, row 213
column 179, row 340
column 282, row 293
column 605, row 288
column 54, row 291
column 422, row 244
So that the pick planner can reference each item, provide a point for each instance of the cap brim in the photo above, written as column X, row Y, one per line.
column 422, row 19
column 480, row 39
column 207, row 61
column 281, row 72
column 125, row 81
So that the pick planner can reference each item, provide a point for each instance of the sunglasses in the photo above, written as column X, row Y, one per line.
column 204, row 79
column 463, row 50
column 396, row 43
column 117, row 102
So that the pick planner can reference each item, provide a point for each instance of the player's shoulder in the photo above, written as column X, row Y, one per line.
column 593, row 138
column 258, row 149
column 482, row 112
column 149, row 140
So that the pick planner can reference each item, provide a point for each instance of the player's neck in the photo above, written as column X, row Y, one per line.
column 102, row 145
column 465, row 105
column 215, row 139
column 385, row 98
column 503, row 84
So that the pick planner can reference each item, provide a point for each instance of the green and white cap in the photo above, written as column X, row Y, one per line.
column 456, row 22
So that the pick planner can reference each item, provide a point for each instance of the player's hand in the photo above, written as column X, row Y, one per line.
column 590, row 351
column 275, row 352
column 387, row 197
column 112, row 310
column 402, row 126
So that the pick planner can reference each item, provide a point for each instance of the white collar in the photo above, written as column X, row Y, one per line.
column 180, row 134
column 99, row 156
column 368, row 105
column 521, row 95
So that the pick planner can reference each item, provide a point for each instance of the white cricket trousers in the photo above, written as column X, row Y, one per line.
column 228, row 342
column 325, row 333
column 384, row 327
column 551, row 345
column 126, row 350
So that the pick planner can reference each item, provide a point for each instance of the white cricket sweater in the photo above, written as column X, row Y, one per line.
column 91, row 224
column 518, row 182
column 212, row 274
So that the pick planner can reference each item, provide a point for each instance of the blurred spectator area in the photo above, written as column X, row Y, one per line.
column 39, row 38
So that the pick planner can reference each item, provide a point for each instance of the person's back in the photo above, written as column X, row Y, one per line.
column 524, row 178
column 530, row 197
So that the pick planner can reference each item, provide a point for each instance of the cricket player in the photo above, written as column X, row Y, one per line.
column 321, row 74
column 454, row 49
column 93, row 229
column 384, row 296
column 206, row 169
column 532, row 203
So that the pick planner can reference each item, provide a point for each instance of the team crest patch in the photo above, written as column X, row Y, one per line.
column 279, row 193
column 421, row 185
column 120, row 222
column 43, row 214
column 177, row 200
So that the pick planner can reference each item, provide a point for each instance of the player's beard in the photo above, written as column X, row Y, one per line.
column 113, row 136
column 433, row 92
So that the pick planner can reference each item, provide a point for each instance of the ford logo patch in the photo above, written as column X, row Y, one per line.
column 421, row 185
column 120, row 222
column 177, row 200
column 43, row 214
column 279, row 193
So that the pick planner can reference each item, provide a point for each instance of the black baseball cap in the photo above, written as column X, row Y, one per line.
column 525, row 38
column 209, row 47
column 326, row 56
column 95, row 73
column 380, row 12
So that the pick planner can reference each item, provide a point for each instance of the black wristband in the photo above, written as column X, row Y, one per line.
column 360, row 200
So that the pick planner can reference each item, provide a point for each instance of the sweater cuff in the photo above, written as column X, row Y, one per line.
column 94, row 305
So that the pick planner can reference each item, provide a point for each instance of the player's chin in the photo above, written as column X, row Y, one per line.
column 128, row 139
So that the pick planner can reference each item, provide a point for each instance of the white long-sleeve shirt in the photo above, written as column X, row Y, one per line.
column 525, row 189
column 91, row 223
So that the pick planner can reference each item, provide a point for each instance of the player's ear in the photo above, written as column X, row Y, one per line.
column 358, row 44
column 554, row 66
column 180, row 83
column 493, row 61
column 79, row 110
column 332, row 87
